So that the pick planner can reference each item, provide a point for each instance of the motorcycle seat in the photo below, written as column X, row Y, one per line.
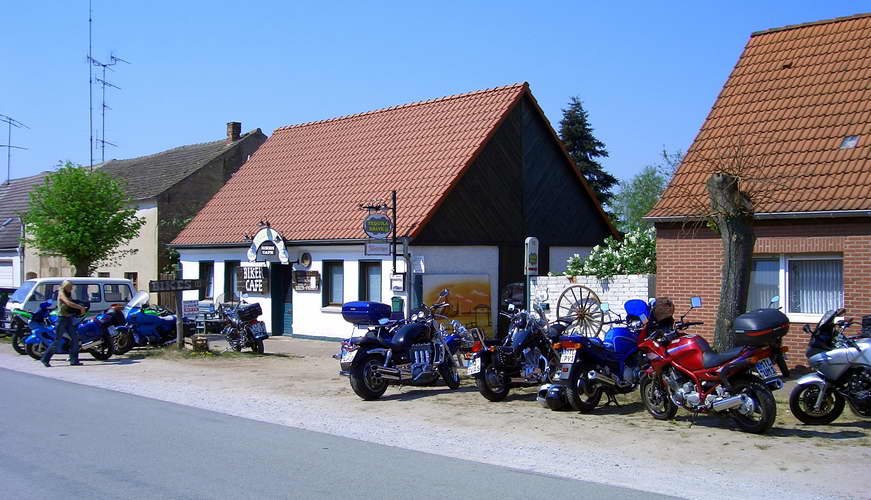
column 712, row 358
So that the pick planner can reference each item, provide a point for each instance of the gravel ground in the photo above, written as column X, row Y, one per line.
column 296, row 384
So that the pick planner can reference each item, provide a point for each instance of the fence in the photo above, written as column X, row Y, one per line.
column 615, row 290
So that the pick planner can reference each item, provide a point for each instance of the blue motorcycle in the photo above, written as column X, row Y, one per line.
column 591, row 367
column 95, row 334
column 148, row 325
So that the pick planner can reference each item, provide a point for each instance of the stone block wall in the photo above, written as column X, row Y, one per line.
column 615, row 290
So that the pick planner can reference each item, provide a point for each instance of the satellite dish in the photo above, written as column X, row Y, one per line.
column 305, row 259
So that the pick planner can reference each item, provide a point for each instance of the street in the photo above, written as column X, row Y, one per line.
column 68, row 440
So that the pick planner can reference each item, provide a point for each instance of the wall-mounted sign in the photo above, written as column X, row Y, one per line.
column 306, row 281
column 377, row 226
column 376, row 247
column 190, row 308
column 397, row 282
column 253, row 279
column 174, row 285
column 268, row 246
column 530, row 267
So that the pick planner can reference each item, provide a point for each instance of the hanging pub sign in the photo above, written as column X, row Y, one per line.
column 377, row 226
column 253, row 279
column 268, row 246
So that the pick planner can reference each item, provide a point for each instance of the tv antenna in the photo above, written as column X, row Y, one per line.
column 113, row 60
column 10, row 122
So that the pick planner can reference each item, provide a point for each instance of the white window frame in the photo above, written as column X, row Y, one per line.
column 784, row 281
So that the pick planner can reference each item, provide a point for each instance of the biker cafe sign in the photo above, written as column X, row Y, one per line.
column 266, row 246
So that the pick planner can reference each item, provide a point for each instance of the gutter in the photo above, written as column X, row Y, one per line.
column 774, row 215
column 289, row 243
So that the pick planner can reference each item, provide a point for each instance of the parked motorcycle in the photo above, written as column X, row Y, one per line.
column 525, row 357
column 95, row 333
column 242, row 329
column 843, row 373
column 415, row 352
column 148, row 325
column 591, row 367
column 685, row 372
column 19, row 327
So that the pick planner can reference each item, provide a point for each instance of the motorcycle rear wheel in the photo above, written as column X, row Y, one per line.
column 577, row 394
column 450, row 375
column 656, row 399
column 123, row 343
column 35, row 351
column 765, row 411
column 802, row 401
column 105, row 351
column 257, row 347
column 364, row 380
column 488, row 383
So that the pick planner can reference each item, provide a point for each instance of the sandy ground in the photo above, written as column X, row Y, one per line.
column 297, row 384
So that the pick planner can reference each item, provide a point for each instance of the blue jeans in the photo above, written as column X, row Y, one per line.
column 64, row 327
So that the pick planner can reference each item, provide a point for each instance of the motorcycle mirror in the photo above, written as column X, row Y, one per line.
column 383, row 321
column 696, row 302
column 541, row 295
column 604, row 307
column 455, row 324
column 651, row 301
column 443, row 294
column 774, row 300
column 510, row 307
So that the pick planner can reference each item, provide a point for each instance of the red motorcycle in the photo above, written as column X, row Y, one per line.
column 685, row 372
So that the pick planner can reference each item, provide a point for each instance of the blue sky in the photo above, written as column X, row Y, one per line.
column 648, row 72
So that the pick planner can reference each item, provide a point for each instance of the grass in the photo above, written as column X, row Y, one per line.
column 171, row 353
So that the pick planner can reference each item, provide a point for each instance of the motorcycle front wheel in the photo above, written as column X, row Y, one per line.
column 803, row 399
column 18, row 337
column 491, row 383
column 35, row 351
column 123, row 343
column 450, row 375
column 577, row 392
column 655, row 397
column 764, row 411
column 365, row 380
column 105, row 351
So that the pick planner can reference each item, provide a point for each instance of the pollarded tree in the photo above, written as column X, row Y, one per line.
column 82, row 215
column 577, row 136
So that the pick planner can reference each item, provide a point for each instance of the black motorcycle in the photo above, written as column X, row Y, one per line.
column 242, row 329
column 525, row 358
column 415, row 352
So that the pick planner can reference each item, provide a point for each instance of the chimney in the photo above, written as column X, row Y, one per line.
column 234, row 130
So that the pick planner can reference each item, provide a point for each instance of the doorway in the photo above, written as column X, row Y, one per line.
column 282, row 298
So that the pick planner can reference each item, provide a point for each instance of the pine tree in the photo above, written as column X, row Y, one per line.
column 584, row 148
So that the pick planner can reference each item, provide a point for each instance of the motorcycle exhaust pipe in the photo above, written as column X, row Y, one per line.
column 389, row 373
column 90, row 345
column 728, row 403
column 594, row 375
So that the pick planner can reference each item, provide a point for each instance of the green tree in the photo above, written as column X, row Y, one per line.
column 82, row 215
column 577, row 136
column 636, row 197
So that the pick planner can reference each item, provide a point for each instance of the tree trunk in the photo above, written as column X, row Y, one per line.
column 83, row 268
column 733, row 214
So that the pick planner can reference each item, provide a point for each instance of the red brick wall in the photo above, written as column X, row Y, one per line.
column 688, row 262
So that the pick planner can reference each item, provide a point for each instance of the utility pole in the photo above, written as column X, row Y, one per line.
column 10, row 122
column 90, row 86
column 113, row 60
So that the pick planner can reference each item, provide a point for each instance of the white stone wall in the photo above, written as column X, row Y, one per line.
column 615, row 290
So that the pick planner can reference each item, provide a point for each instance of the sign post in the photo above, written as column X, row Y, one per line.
column 530, row 265
column 177, row 286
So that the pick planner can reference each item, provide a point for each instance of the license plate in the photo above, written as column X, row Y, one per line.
column 474, row 366
column 766, row 369
column 258, row 329
column 568, row 356
column 348, row 356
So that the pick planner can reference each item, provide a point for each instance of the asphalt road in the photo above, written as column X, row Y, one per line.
column 64, row 440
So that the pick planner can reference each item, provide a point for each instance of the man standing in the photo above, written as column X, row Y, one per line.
column 66, row 311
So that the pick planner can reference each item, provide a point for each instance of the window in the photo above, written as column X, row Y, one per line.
column 45, row 291
column 102, row 275
column 807, row 285
column 231, row 280
column 207, row 274
column 117, row 293
column 333, row 283
column 370, row 281
column 134, row 277
column 850, row 142
column 86, row 293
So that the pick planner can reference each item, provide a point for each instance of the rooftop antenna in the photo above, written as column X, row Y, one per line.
column 113, row 60
column 10, row 122
column 90, row 86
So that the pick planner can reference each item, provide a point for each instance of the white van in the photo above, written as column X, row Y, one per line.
column 100, row 292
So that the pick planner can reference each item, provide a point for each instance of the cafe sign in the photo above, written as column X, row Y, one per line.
column 268, row 246
column 377, row 226
column 253, row 279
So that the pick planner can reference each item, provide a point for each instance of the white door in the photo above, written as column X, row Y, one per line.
column 7, row 277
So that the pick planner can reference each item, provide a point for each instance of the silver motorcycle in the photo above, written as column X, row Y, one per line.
column 843, row 373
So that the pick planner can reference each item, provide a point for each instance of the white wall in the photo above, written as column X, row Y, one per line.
column 559, row 255
column 15, row 259
column 615, row 290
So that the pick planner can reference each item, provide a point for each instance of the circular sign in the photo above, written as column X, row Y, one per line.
column 377, row 226
column 305, row 259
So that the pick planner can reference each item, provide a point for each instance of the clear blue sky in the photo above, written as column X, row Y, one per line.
column 648, row 72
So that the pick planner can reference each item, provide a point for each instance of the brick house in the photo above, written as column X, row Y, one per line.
column 798, row 103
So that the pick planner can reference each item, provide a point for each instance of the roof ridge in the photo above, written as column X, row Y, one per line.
column 406, row 105
column 196, row 144
column 811, row 23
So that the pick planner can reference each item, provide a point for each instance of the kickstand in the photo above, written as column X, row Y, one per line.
column 612, row 400
column 693, row 419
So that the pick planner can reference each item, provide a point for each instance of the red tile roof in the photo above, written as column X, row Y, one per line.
column 795, row 94
column 309, row 179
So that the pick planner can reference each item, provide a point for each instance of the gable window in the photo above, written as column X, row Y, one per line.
column 333, row 283
column 850, row 142
column 370, row 281
column 807, row 285
column 207, row 275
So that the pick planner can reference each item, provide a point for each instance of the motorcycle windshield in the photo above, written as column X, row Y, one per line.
column 637, row 308
column 138, row 300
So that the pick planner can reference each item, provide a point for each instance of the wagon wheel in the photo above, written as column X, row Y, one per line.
column 580, row 305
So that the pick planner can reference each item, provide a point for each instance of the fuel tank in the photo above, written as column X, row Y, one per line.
column 520, row 339
column 412, row 333
column 832, row 364
column 622, row 341
column 687, row 351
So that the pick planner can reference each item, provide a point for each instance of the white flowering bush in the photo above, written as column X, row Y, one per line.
column 635, row 254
